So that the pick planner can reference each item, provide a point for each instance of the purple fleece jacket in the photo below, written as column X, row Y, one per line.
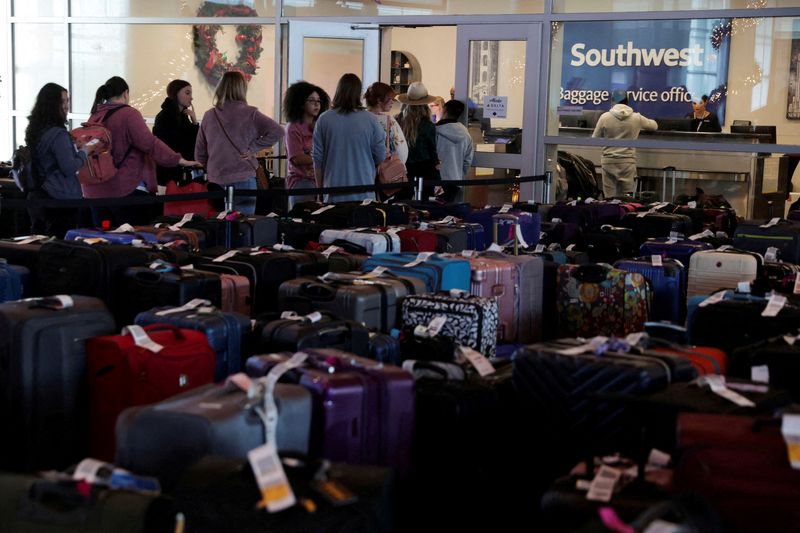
column 129, row 131
column 249, row 129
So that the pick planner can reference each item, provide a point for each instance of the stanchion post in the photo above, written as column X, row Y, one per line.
column 418, row 188
column 548, row 180
column 229, row 198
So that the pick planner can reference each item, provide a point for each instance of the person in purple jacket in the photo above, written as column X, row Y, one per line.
column 136, row 152
column 231, row 133
column 55, row 161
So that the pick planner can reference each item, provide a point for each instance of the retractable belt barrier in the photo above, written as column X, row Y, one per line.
column 18, row 203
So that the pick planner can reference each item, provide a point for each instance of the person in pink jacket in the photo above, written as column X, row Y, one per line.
column 136, row 152
column 231, row 133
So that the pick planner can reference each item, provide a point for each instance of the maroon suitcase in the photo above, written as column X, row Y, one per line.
column 122, row 374
column 494, row 277
column 417, row 240
column 235, row 294
column 340, row 405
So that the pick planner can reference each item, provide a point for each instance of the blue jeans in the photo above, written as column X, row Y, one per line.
column 246, row 205
column 308, row 183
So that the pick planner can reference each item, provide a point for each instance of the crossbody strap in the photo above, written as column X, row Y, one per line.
column 388, row 131
column 222, row 126
column 103, row 122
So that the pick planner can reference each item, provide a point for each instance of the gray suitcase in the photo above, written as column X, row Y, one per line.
column 166, row 438
column 373, row 301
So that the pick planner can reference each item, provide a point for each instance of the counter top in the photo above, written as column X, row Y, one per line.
column 685, row 174
column 752, row 138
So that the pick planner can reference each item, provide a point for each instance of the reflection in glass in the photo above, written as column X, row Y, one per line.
column 325, row 60
column 137, row 53
column 39, row 57
column 497, row 69
column 599, row 6
column 327, row 8
column 163, row 8
column 39, row 8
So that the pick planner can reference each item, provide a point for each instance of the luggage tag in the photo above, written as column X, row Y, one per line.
column 258, row 250
column 674, row 237
column 30, row 239
column 539, row 249
column 94, row 240
column 142, row 339
column 323, row 209
column 223, row 214
column 469, row 253
column 771, row 255
column 520, row 238
column 725, row 247
column 224, row 257
column 640, row 337
column 93, row 471
column 796, row 289
column 330, row 250
column 505, row 209
column 424, row 225
column 790, row 429
column 188, row 306
column 656, row 260
column 494, row 247
column 702, row 234
column 603, row 484
column 589, row 200
column 743, row 287
column 375, row 273
column 714, row 298
column 692, row 204
column 283, row 247
column 57, row 302
column 593, row 344
column 159, row 265
column 760, row 374
column 477, row 360
column 125, row 228
column 718, row 387
column 772, row 222
column 556, row 221
column 421, row 258
column 276, row 492
column 272, row 214
column 367, row 201
column 571, row 247
column 775, row 303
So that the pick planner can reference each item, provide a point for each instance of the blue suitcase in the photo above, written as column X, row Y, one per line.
column 438, row 273
column 114, row 238
column 668, row 282
column 750, row 235
column 12, row 280
column 225, row 332
column 681, row 250
column 385, row 348
column 529, row 223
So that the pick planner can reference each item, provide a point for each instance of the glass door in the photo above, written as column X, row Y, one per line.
column 321, row 52
column 497, row 71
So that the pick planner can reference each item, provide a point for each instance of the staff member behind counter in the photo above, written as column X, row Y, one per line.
column 703, row 120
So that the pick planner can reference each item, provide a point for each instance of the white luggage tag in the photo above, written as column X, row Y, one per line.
column 436, row 324
column 282, row 247
column 30, row 239
column 714, row 298
column 506, row 208
column 593, row 344
column 773, row 221
column 276, row 492
column 656, row 260
column 469, row 253
column 224, row 257
column 539, row 249
column 89, row 470
column 272, row 214
column 743, row 287
column 759, row 374
column 589, row 200
column 775, row 303
column 367, row 201
column 702, row 234
column 796, row 289
column 142, row 339
column 57, row 302
column 724, row 247
column 188, row 306
column 330, row 250
column 603, row 484
column 477, row 360
column 187, row 217
column 494, row 247
column 222, row 214
column 674, row 237
column 520, row 238
column 323, row 209
column 771, row 255
column 718, row 387
column 421, row 258
column 375, row 273
column 692, row 204
column 125, row 228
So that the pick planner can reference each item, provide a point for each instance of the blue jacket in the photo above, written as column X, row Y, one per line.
column 56, row 162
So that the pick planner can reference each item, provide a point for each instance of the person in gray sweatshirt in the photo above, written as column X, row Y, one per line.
column 619, row 162
column 454, row 147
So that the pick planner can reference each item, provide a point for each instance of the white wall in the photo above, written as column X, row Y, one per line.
column 434, row 48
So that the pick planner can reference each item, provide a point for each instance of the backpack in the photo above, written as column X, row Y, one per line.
column 22, row 170
column 100, row 165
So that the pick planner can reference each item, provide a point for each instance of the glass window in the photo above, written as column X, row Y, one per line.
column 170, row 8
column 749, row 70
column 325, row 60
column 39, row 57
column 39, row 8
column 600, row 6
column 327, row 8
column 137, row 53
column 482, row 195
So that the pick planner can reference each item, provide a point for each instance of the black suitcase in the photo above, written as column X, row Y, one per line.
column 253, row 231
column 385, row 348
column 26, row 255
column 653, row 225
column 42, row 375
column 297, row 233
column 309, row 263
column 213, row 228
column 142, row 288
column 340, row 216
column 266, row 272
column 781, row 359
column 328, row 332
column 610, row 244
column 785, row 236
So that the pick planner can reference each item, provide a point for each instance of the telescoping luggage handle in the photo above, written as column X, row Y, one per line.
column 513, row 220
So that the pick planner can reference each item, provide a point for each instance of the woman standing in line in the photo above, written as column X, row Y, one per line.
column 176, row 125
column 136, row 152
column 302, row 104
column 54, row 161
column 380, row 99
column 231, row 133
column 415, row 120
column 348, row 143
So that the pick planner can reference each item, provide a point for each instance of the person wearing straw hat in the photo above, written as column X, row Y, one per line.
column 415, row 121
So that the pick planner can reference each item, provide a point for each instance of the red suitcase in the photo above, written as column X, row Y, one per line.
column 416, row 240
column 122, row 374
column 706, row 360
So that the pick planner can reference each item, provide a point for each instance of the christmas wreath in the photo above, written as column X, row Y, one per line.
column 207, row 56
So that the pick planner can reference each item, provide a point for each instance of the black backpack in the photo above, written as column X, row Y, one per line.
column 22, row 170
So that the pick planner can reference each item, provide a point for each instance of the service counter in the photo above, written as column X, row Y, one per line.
column 748, row 180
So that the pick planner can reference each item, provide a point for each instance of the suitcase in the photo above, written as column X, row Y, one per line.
column 298, row 334
column 475, row 234
column 33, row 504
column 11, row 281
column 778, row 277
column 341, row 262
column 438, row 273
column 495, row 278
column 440, row 348
column 341, row 403
column 587, row 215
column 449, row 239
column 561, row 233
column 681, row 250
column 415, row 240
column 235, row 294
column 340, row 216
column 785, row 236
column 122, row 374
column 391, row 404
column 385, row 349
column 224, row 331
column 214, row 230
column 43, row 357
column 780, row 358
column 375, row 302
column 706, row 360
column 265, row 271
column 164, row 233
column 24, row 255
column 142, row 288
column 668, row 284
column 529, row 225
column 609, row 244
column 601, row 300
column 164, row 439
column 529, row 289
column 374, row 242
column 253, row 230
column 712, row 270
column 297, row 233
column 653, row 225
column 471, row 320
column 308, row 262
column 438, row 210
column 82, row 234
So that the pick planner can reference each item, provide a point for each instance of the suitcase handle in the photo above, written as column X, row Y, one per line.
column 317, row 291
column 163, row 326
column 591, row 273
column 55, row 503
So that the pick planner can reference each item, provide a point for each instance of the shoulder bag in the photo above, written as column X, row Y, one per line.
column 262, row 180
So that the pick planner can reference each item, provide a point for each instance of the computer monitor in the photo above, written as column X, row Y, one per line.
column 741, row 122
column 770, row 131
column 674, row 124
column 572, row 121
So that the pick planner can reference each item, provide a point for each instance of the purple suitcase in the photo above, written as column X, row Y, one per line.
column 341, row 426
column 113, row 238
column 680, row 250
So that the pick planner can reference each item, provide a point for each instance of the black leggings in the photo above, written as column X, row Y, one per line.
column 52, row 221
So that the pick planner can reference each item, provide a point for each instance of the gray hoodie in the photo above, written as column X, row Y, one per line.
column 454, row 147
column 58, row 162
column 621, row 123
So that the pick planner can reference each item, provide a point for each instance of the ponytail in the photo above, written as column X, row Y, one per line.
column 112, row 88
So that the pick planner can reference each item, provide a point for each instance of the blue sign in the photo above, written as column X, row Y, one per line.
column 662, row 65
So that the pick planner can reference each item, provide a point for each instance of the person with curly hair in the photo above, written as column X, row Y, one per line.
column 54, row 161
column 302, row 105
